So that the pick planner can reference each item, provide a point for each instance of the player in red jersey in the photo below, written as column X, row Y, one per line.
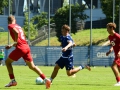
column 22, row 49
column 115, row 45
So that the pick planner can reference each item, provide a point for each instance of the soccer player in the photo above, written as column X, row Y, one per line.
column 66, row 59
column 115, row 45
column 22, row 49
column 2, row 55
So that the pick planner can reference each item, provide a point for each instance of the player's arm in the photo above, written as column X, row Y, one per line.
column 74, row 44
column 15, row 31
column 110, row 50
column 118, row 55
column 69, row 45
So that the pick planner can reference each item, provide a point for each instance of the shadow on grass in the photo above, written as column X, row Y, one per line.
column 11, row 88
column 88, row 84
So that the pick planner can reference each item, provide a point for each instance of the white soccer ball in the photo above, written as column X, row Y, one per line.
column 39, row 81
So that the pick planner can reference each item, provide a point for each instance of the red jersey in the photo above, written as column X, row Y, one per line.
column 21, row 42
column 115, row 42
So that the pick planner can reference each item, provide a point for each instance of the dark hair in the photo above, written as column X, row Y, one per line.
column 11, row 18
column 66, row 27
column 110, row 25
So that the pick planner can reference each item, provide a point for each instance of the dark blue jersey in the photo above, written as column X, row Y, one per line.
column 64, row 42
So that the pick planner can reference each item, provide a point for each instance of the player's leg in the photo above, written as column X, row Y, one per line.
column 14, row 56
column 118, row 64
column 29, row 61
column 59, row 64
column 33, row 67
column 0, row 62
column 8, row 63
column 55, row 72
column 118, row 68
column 116, row 73
column 69, row 67
column 74, row 75
column 72, row 71
column 39, row 72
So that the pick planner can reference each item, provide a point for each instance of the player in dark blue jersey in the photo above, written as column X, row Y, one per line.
column 66, row 59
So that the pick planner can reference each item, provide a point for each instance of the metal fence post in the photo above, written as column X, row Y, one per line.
column 46, row 56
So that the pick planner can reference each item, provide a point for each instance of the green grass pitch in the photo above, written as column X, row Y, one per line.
column 100, row 78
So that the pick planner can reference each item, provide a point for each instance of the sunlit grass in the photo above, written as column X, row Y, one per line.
column 81, row 38
column 100, row 78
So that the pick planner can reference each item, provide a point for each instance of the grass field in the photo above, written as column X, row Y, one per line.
column 100, row 78
column 81, row 38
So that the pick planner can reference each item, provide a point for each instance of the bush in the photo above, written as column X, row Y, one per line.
column 35, row 23
column 62, row 17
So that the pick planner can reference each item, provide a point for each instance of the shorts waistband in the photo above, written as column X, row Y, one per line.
column 66, row 57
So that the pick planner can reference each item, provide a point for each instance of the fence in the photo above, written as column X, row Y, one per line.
column 43, row 55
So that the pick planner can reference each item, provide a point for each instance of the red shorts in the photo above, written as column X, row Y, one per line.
column 117, row 61
column 18, row 53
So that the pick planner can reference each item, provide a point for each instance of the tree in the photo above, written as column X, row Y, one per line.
column 36, row 22
column 107, row 7
column 3, row 3
column 40, row 20
column 66, row 2
column 62, row 17
column 33, row 32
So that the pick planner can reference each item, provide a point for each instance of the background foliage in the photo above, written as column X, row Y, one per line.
column 35, row 23
column 3, row 3
column 107, row 7
column 62, row 17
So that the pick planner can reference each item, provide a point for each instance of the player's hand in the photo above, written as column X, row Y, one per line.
column 108, row 53
column 64, row 49
column 118, row 55
column 74, row 45
column 14, row 44
column 8, row 47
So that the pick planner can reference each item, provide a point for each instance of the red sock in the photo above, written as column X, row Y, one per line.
column 43, row 76
column 118, row 79
column 11, row 76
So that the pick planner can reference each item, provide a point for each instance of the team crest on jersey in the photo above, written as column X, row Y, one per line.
column 114, row 39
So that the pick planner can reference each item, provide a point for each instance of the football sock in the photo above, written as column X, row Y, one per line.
column 11, row 76
column 118, row 79
column 43, row 76
column 12, row 79
column 81, row 67
column 51, row 79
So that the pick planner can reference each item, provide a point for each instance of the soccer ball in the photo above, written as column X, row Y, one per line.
column 39, row 81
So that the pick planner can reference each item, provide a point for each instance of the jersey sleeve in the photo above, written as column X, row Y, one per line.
column 60, row 39
column 10, row 27
column 118, row 36
column 69, row 39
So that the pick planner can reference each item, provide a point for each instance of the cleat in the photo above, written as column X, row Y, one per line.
column 47, row 83
column 88, row 67
column 74, row 75
column 12, row 83
column 117, row 84
column 51, row 82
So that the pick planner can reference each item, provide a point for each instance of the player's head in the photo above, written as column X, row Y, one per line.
column 11, row 19
column 65, row 30
column 111, row 27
